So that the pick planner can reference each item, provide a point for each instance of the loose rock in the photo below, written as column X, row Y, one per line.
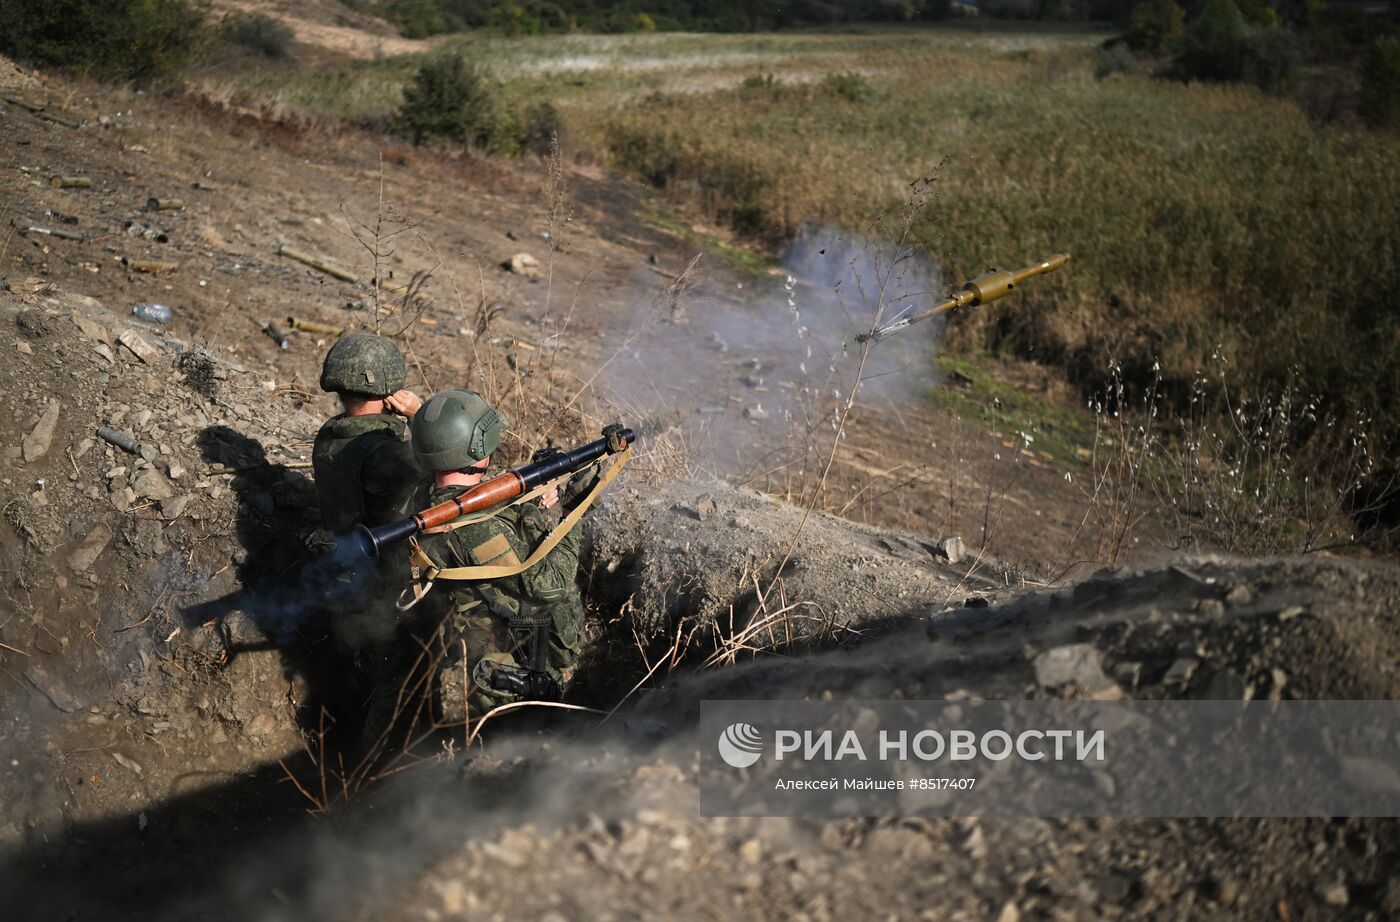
column 89, row 549
column 37, row 443
column 52, row 689
column 1073, row 664
column 151, row 484
column 523, row 264
column 951, row 549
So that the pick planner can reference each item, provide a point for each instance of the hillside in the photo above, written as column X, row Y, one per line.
column 158, row 766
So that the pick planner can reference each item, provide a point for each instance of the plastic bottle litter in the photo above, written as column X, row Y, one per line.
column 154, row 313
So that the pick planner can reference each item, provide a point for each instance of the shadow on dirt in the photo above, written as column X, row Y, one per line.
column 163, row 862
column 290, row 598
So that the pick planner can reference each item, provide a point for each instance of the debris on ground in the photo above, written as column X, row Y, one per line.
column 523, row 264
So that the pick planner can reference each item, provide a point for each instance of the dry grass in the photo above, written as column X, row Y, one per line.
column 1198, row 216
column 1232, row 478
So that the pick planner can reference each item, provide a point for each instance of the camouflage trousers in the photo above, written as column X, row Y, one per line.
column 477, row 637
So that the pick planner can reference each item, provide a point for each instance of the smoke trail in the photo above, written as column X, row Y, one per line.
column 754, row 361
column 342, row 578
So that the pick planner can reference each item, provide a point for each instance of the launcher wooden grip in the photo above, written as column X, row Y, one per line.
column 498, row 490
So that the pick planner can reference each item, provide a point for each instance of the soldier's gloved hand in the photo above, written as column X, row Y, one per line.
column 577, row 488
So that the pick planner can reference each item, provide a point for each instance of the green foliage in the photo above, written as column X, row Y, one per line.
column 1211, row 47
column 1300, row 13
column 415, row 18
column 1220, row 46
column 1270, row 58
column 539, row 127
column 851, row 87
column 528, row 17
column 258, row 33
column 514, row 20
column 1156, row 26
column 1113, row 59
column 448, row 100
column 761, row 82
column 1063, row 430
column 451, row 101
column 1380, row 88
column 1257, row 12
column 147, row 41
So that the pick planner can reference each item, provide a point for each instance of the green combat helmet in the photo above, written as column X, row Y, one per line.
column 362, row 363
column 454, row 430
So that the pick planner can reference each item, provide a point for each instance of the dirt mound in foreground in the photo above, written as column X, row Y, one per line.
column 576, row 821
column 703, row 552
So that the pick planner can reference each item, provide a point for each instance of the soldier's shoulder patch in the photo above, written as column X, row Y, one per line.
column 495, row 550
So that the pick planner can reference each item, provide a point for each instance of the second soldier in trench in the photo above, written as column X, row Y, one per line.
column 479, row 626
column 366, row 474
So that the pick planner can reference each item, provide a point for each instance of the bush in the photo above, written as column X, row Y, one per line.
column 1380, row 84
column 539, row 127
column 141, row 40
column 1210, row 49
column 447, row 100
column 851, row 87
column 1257, row 12
column 1269, row 59
column 414, row 18
column 1156, row 26
column 528, row 17
column 258, row 33
column 1114, row 59
column 761, row 82
column 1220, row 46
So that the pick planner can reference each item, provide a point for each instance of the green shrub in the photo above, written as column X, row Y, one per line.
column 1113, row 59
column 761, row 82
column 1269, row 59
column 514, row 20
column 539, row 127
column 1380, row 84
column 447, row 100
column 1156, row 26
column 259, row 33
column 414, row 18
column 141, row 40
column 1221, row 46
column 851, row 87
column 1257, row 12
column 1210, row 49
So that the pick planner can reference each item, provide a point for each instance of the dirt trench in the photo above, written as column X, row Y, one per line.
column 580, row 821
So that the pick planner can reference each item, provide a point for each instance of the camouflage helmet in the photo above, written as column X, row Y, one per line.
column 454, row 430
column 362, row 363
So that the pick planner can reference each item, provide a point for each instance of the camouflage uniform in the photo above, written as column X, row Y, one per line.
column 456, row 432
column 366, row 474
column 365, row 471
column 479, row 612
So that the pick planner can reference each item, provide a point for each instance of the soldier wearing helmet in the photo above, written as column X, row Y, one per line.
column 454, row 436
column 365, row 470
